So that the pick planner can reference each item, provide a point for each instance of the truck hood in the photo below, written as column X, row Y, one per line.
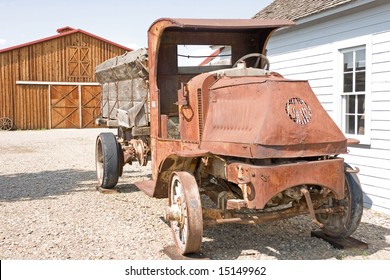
column 268, row 117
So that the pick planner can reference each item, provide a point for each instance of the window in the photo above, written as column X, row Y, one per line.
column 354, row 92
column 203, row 55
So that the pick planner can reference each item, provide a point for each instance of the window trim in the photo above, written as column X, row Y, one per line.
column 339, row 49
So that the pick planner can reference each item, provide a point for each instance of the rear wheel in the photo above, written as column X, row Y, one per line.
column 107, row 159
column 342, row 225
column 184, row 199
column 6, row 123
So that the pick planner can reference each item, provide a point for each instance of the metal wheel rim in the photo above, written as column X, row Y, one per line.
column 188, row 227
column 99, row 161
column 334, row 224
column 180, row 228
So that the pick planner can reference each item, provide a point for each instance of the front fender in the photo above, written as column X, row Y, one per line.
column 179, row 161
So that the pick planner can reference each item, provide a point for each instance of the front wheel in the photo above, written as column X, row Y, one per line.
column 342, row 225
column 184, row 200
column 108, row 160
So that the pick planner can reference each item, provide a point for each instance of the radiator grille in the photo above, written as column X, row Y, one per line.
column 298, row 111
column 200, row 113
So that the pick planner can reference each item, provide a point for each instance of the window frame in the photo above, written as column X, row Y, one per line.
column 341, row 48
column 200, row 63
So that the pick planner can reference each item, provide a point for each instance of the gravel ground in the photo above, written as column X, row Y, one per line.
column 50, row 209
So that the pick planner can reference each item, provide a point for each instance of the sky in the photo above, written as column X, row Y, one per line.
column 123, row 22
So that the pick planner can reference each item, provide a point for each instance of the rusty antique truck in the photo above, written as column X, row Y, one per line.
column 223, row 130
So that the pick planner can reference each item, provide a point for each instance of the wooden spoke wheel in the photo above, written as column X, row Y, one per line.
column 108, row 160
column 343, row 224
column 184, row 200
column 6, row 123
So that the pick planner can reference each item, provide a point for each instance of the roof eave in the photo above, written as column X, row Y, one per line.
column 62, row 35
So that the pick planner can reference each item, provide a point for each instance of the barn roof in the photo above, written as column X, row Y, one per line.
column 64, row 31
column 296, row 9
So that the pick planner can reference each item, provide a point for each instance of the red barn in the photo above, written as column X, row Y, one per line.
column 50, row 83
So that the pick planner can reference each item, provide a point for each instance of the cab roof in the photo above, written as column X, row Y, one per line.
column 232, row 24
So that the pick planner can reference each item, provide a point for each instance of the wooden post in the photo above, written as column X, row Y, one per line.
column 80, row 108
column 49, row 102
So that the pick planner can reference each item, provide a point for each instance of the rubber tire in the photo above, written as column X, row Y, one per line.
column 107, row 160
column 354, row 213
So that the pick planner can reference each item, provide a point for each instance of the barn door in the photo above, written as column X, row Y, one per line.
column 64, row 104
column 75, row 106
column 90, row 105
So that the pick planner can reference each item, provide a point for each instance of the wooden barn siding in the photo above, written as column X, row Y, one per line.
column 309, row 54
column 46, row 61
column 6, row 98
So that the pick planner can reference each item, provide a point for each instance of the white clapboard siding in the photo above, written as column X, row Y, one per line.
column 375, row 196
column 381, row 77
column 380, row 115
column 380, row 105
column 381, row 134
column 380, row 144
column 324, row 98
column 380, row 125
column 377, row 203
column 381, row 94
column 381, row 57
column 382, row 165
column 372, row 183
column 307, row 52
column 369, row 153
column 318, row 55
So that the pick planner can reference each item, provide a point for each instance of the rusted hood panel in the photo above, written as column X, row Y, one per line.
column 264, row 117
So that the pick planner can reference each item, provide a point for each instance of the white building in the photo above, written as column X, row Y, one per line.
column 343, row 48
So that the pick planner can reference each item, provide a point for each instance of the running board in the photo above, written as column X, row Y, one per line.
column 147, row 187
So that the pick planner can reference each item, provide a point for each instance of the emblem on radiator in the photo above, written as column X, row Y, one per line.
column 298, row 110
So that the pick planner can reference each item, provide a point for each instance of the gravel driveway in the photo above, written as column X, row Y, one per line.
column 50, row 209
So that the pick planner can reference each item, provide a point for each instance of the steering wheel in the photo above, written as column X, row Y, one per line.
column 259, row 57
